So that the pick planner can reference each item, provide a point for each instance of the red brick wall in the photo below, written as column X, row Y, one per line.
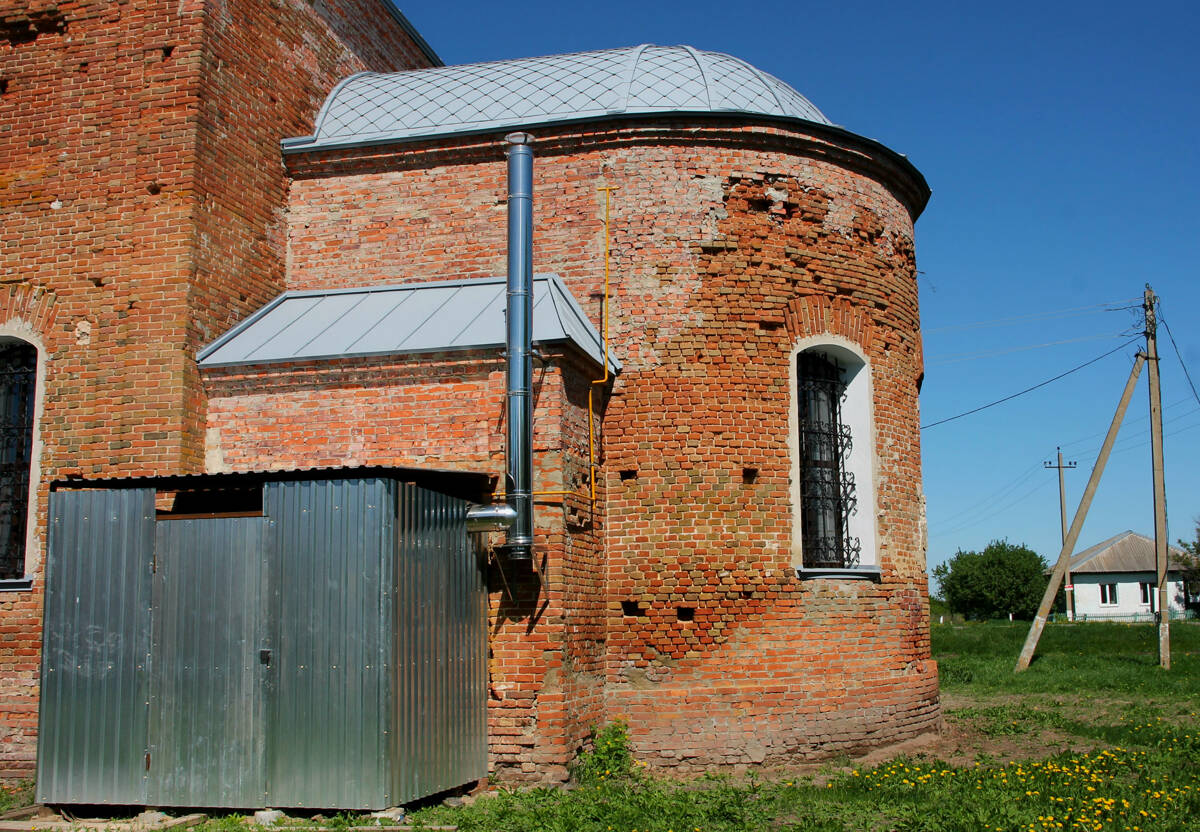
column 142, row 189
column 730, row 244
column 447, row 410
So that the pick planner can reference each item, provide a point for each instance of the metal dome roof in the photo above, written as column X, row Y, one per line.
column 372, row 108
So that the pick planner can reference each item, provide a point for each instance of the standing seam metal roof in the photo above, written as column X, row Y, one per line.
column 391, row 320
column 371, row 107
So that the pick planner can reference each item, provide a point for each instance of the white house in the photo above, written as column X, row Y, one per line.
column 1115, row 579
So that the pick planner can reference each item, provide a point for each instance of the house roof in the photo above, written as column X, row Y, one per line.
column 1124, row 552
column 397, row 320
column 374, row 107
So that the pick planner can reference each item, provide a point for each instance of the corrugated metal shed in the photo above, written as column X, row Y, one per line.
column 328, row 651
column 372, row 107
column 1124, row 552
column 392, row 320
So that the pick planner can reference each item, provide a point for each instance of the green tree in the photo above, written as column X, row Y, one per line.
column 1004, row 578
column 1191, row 570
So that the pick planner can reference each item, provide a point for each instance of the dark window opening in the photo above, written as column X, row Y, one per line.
column 188, row 504
column 827, row 493
column 18, row 378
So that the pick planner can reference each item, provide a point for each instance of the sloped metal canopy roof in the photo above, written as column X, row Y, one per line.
column 394, row 320
column 372, row 108
column 1124, row 552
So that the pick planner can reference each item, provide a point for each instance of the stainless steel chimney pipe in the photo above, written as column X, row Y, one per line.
column 519, row 376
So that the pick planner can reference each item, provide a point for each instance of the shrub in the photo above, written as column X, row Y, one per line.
column 609, row 757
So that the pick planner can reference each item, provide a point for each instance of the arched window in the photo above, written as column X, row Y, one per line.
column 833, row 477
column 18, row 380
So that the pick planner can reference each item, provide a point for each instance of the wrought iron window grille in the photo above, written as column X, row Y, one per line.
column 827, row 490
column 18, row 375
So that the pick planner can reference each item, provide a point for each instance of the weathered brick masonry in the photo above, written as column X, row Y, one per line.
column 142, row 191
column 730, row 245
column 147, row 209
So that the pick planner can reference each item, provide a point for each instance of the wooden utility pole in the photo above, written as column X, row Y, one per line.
column 1064, row 556
column 1062, row 510
column 1163, row 614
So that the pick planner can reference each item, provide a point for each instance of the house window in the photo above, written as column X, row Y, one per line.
column 1147, row 592
column 1108, row 594
column 828, row 496
column 18, row 375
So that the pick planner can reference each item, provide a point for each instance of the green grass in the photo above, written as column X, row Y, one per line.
column 1102, row 657
column 16, row 796
column 1098, row 683
column 1125, row 756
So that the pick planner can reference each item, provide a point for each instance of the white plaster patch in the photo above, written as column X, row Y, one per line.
column 214, row 457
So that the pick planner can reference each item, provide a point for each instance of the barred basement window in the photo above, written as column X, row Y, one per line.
column 18, row 375
column 827, row 488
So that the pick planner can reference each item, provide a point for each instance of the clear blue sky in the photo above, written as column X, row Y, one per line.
column 1060, row 141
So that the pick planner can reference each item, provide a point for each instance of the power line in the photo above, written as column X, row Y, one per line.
column 1002, row 493
column 1133, row 421
column 1038, row 316
column 1029, row 389
column 955, row 358
column 961, row 525
column 1178, row 355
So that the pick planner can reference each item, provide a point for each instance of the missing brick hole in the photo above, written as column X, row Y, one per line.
column 685, row 613
column 27, row 28
column 770, row 326
column 749, row 475
column 166, row 51
column 154, row 188
column 632, row 608
column 628, row 474
column 3, row 85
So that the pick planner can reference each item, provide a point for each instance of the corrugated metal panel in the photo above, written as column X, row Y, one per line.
column 92, row 736
column 389, row 320
column 441, row 649
column 378, row 107
column 206, row 718
column 332, row 611
column 1125, row 552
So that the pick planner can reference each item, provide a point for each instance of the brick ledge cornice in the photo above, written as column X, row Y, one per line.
column 807, row 139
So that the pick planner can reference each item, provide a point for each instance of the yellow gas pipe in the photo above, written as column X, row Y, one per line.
column 608, row 189
column 592, row 466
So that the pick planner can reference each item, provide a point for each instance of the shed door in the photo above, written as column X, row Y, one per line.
column 209, row 679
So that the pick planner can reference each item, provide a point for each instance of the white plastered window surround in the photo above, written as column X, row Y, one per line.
column 18, row 331
column 858, row 414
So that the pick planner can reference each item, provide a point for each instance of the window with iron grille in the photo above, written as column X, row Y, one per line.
column 18, row 376
column 827, row 491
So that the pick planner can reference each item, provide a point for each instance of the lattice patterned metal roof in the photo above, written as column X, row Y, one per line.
column 372, row 108
column 393, row 320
